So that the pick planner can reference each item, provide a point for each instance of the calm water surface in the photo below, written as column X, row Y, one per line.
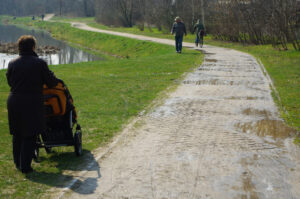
column 66, row 55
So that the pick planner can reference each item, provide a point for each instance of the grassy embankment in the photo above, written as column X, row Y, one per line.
column 282, row 66
column 106, row 93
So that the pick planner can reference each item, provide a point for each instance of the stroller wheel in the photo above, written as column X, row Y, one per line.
column 36, row 154
column 78, row 143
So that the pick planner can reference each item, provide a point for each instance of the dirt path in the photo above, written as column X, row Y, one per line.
column 217, row 136
column 49, row 16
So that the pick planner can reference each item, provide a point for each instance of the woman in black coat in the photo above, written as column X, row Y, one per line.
column 26, row 76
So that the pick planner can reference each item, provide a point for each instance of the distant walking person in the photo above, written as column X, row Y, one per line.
column 179, row 30
column 200, row 31
column 26, row 76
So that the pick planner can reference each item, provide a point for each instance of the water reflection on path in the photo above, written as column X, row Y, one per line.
column 67, row 54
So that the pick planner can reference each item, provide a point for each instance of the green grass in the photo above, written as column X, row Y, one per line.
column 74, row 19
column 297, row 141
column 282, row 66
column 106, row 94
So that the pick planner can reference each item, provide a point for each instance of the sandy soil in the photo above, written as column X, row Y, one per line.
column 218, row 135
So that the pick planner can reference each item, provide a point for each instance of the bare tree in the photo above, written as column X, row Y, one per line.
column 126, row 10
column 257, row 22
column 37, row 7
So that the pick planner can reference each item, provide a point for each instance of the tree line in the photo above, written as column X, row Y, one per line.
column 275, row 22
column 158, row 13
column 39, row 7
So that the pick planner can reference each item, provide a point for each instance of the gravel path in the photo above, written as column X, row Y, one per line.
column 218, row 136
column 49, row 16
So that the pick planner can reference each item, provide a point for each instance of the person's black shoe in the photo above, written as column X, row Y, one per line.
column 26, row 171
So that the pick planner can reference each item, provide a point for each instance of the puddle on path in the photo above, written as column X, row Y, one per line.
column 209, row 65
column 208, row 68
column 209, row 82
column 248, row 185
column 211, row 60
column 257, row 112
column 244, row 98
column 267, row 127
column 205, row 52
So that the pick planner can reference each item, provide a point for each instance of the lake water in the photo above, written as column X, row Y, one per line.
column 66, row 55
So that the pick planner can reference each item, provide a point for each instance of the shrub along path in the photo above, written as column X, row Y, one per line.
column 218, row 135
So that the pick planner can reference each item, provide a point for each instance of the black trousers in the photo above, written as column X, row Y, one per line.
column 23, row 151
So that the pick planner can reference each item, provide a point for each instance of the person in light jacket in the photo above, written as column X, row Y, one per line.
column 179, row 30
column 26, row 76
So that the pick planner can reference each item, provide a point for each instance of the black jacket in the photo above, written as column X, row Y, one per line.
column 178, row 29
column 26, row 76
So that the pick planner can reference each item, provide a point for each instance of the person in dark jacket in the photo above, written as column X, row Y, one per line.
column 26, row 76
column 200, row 31
column 179, row 30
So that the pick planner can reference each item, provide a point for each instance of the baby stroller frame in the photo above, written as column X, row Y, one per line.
column 61, row 118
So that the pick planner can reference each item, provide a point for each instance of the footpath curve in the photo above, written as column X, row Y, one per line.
column 218, row 135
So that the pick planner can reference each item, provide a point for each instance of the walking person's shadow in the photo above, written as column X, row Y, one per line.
column 65, row 167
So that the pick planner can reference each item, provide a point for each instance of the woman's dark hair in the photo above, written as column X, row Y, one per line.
column 26, row 43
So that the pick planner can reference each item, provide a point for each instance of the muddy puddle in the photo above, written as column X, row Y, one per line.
column 211, row 60
column 277, row 129
column 211, row 82
column 210, row 64
column 244, row 98
column 248, row 187
column 205, row 52
column 208, row 82
column 220, row 82
column 256, row 112
column 247, row 182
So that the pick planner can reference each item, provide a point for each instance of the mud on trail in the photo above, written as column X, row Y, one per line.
column 218, row 136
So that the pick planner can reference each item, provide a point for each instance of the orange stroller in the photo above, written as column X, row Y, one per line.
column 61, row 119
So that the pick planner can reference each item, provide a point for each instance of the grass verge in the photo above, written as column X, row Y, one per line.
column 106, row 93
column 297, row 141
